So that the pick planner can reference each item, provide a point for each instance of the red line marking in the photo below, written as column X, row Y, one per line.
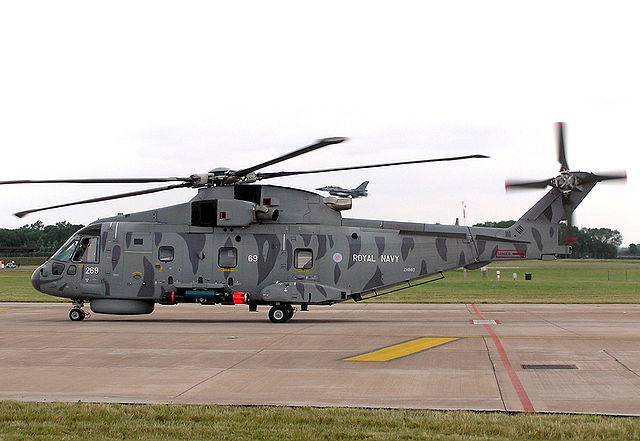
column 515, row 381
column 473, row 305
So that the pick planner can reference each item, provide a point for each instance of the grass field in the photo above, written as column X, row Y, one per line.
column 79, row 421
column 563, row 281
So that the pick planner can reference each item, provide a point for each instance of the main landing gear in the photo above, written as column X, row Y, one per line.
column 281, row 313
column 78, row 314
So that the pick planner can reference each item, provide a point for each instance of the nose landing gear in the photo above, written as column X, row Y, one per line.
column 77, row 314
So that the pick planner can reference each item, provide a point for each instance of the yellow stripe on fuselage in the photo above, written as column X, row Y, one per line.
column 402, row 349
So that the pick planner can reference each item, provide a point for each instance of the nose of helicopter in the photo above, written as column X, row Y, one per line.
column 35, row 278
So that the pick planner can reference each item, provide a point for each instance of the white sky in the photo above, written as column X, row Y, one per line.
column 119, row 89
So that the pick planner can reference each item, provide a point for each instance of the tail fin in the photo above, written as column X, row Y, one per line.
column 362, row 186
column 539, row 226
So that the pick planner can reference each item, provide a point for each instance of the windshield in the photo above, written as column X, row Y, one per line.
column 66, row 251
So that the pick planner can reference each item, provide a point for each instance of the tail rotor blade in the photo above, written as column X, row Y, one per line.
column 598, row 177
column 562, row 157
column 520, row 185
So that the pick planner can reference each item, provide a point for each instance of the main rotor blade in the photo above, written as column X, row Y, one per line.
column 512, row 185
column 104, row 198
column 308, row 172
column 562, row 157
column 317, row 145
column 95, row 181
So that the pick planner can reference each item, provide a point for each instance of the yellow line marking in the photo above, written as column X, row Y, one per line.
column 3, row 308
column 402, row 349
column 228, row 269
column 302, row 271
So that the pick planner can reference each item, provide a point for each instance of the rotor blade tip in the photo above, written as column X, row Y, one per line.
column 334, row 140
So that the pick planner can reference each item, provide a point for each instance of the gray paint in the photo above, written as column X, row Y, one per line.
column 380, row 243
column 195, row 245
column 408, row 244
column 537, row 237
column 306, row 238
column 441, row 246
column 336, row 274
column 146, row 290
column 115, row 256
column 322, row 246
column 266, row 262
column 375, row 281
column 103, row 240
column 289, row 255
column 354, row 248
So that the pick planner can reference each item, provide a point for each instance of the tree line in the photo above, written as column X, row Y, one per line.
column 595, row 243
column 44, row 240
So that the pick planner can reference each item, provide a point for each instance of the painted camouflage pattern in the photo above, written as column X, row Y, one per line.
column 350, row 256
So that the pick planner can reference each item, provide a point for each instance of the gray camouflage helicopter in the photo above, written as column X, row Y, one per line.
column 237, row 242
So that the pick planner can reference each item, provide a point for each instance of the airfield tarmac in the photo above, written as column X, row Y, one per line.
column 532, row 358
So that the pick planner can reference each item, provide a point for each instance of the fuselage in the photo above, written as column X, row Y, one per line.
column 261, row 245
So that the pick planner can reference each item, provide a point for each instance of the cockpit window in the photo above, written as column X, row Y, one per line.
column 66, row 251
column 87, row 250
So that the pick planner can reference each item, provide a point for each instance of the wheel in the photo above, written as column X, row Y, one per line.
column 290, row 312
column 278, row 314
column 76, row 315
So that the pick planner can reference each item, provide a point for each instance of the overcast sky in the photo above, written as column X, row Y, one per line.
column 122, row 89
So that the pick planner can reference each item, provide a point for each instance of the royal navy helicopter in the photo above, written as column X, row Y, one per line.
column 239, row 242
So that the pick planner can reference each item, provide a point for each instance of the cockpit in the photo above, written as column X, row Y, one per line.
column 82, row 247
column 79, row 249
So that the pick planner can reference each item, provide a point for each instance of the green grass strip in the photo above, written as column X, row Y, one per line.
column 80, row 421
column 563, row 281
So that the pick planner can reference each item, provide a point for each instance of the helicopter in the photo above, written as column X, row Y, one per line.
column 359, row 191
column 242, row 242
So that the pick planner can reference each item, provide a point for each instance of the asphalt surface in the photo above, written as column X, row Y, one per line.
column 532, row 358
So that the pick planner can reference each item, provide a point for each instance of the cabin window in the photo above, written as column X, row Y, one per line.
column 87, row 250
column 228, row 257
column 138, row 241
column 303, row 258
column 165, row 254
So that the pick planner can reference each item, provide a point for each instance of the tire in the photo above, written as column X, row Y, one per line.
column 76, row 315
column 290, row 312
column 278, row 314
